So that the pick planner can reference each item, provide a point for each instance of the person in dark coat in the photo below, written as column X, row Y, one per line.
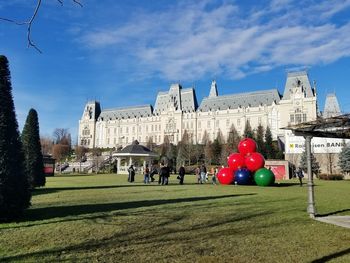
column 164, row 174
column 153, row 172
column 300, row 176
column 181, row 174
column 131, row 172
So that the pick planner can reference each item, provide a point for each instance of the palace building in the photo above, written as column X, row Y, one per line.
column 177, row 110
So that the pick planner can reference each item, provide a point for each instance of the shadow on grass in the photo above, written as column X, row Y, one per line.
column 285, row 184
column 334, row 212
column 332, row 256
column 75, row 210
column 39, row 191
column 162, row 235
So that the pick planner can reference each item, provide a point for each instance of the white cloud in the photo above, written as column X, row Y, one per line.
column 188, row 41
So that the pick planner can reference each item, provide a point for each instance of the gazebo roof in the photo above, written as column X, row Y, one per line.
column 333, row 127
column 135, row 149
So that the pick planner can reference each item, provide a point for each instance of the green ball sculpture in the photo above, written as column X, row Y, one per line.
column 264, row 177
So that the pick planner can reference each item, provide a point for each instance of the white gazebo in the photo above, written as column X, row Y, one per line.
column 132, row 152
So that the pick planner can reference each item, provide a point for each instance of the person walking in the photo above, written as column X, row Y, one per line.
column 153, row 172
column 198, row 174
column 300, row 175
column 160, row 179
column 131, row 172
column 214, row 176
column 181, row 174
column 164, row 174
column 146, row 175
column 203, row 175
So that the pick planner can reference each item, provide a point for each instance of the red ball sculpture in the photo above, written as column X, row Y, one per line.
column 236, row 161
column 225, row 175
column 247, row 146
column 254, row 161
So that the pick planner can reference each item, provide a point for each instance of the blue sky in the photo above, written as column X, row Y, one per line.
column 122, row 52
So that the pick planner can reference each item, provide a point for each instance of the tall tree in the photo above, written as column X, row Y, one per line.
column 62, row 136
column 14, row 188
column 248, row 131
column 46, row 145
column 269, row 148
column 34, row 164
column 233, row 139
column 217, row 147
column 80, row 154
column 315, row 166
column 183, row 155
column 259, row 138
column 344, row 159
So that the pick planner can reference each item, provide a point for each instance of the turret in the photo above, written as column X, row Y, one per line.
column 87, row 124
column 213, row 90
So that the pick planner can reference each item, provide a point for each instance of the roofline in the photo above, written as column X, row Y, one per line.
column 243, row 94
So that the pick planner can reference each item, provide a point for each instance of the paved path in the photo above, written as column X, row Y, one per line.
column 343, row 221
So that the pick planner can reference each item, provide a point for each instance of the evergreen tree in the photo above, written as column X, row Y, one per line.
column 183, row 155
column 232, row 140
column 217, row 148
column 344, row 159
column 248, row 131
column 14, row 189
column 34, row 164
column 269, row 148
column 315, row 166
column 259, row 138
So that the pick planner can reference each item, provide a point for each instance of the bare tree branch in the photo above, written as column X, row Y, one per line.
column 29, row 28
column 29, row 23
column 78, row 3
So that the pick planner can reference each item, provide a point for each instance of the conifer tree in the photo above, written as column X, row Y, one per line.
column 33, row 158
column 344, row 159
column 217, row 148
column 259, row 138
column 315, row 166
column 248, row 131
column 232, row 140
column 14, row 189
column 269, row 147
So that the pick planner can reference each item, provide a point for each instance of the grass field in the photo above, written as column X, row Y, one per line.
column 102, row 218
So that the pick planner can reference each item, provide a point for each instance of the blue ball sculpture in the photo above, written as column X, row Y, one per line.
column 243, row 176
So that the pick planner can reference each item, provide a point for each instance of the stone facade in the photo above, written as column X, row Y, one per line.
column 177, row 110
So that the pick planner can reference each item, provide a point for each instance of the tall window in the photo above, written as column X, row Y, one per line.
column 227, row 122
column 291, row 118
column 304, row 117
column 238, row 122
column 208, row 124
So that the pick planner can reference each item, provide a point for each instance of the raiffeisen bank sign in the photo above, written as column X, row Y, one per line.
column 296, row 144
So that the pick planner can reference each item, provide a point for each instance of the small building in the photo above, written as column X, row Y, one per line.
column 135, row 154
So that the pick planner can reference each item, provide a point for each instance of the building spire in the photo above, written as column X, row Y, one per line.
column 213, row 90
column 331, row 106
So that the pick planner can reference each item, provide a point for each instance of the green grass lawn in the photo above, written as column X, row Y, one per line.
column 102, row 218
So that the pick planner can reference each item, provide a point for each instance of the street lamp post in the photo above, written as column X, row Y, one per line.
column 310, row 184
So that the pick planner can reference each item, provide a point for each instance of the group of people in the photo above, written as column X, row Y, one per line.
column 203, row 175
column 164, row 174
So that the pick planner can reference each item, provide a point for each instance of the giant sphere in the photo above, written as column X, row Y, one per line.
column 236, row 161
column 225, row 175
column 254, row 161
column 243, row 176
column 247, row 146
column 264, row 177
